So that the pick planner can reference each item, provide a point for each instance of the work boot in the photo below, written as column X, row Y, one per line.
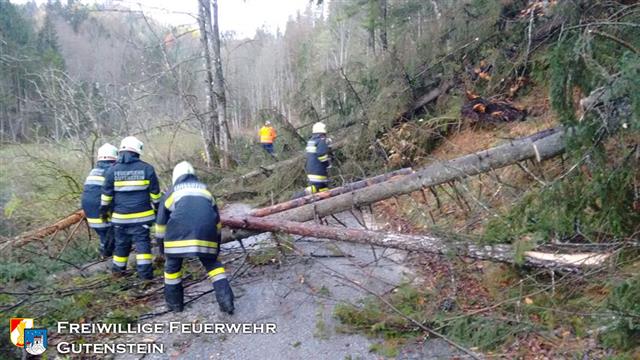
column 224, row 296
column 174, row 296
column 176, row 307
column 117, row 271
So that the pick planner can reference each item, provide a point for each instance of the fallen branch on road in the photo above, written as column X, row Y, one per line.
column 425, row 243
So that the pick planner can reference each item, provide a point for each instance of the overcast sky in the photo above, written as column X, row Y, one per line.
column 241, row 16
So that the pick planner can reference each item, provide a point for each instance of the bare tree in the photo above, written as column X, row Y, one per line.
column 211, row 136
column 218, row 85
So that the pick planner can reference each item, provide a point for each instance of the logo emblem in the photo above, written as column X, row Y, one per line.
column 16, row 329
column 35, row 341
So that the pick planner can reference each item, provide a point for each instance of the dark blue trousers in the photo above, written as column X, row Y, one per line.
column 267, row 147
column 126, row 236
column 173, row 290
column 107, row 242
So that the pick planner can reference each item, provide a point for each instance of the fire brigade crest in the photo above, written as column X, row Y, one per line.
column 35, row 341
column 16, row 329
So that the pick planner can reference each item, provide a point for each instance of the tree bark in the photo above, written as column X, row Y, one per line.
column 423, row 243
column 383, row 26
column 210, row 135
column 328, row 194
column 545, row 147
column 218, row 85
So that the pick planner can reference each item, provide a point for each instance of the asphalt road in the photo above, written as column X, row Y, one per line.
column 298, row 295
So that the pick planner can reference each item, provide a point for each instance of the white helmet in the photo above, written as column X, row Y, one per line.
column 267, row 123
column 319, row 128
column 182, row 168
column 107, row 152
column 131, row 143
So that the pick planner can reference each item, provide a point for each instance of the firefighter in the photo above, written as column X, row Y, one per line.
column 189, row 226
column 318, row 161
column 267, row 136
column 107, row 155
column 130, row 195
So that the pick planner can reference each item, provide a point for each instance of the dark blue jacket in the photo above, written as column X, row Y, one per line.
column 91, row 194
column 130, row 188
column 188, row 220
column 317, row 159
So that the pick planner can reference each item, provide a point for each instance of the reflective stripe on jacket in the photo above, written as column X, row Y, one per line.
column 188, row 220
column 267, row 135
column 91, row 192
column 131, row 186
column 317, row 165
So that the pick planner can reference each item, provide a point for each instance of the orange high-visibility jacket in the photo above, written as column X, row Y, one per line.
column 267, row 134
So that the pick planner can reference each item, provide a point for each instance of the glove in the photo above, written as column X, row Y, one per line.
column 104, row 212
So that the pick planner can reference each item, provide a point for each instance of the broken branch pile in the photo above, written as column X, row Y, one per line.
column 480, row 110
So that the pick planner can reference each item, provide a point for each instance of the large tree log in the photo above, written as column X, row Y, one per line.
column 327, row 194
column 423, row 243
column 540, row 147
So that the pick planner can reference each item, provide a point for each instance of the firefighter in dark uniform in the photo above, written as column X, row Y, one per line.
column 107, row 155
column 318, row 161
column 130, row 195
column 189, row 225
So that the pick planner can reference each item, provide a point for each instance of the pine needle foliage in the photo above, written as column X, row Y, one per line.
column 596, row 198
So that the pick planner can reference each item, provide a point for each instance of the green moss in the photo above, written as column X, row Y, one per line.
column 387, row 348
column 264, row 256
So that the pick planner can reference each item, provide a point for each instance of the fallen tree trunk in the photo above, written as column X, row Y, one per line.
column 42, row 233
column 423, row 243
column 327, row 194
column 425, row 99
column 541, row 148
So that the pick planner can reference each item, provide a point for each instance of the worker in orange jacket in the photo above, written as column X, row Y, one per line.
column 267, row 136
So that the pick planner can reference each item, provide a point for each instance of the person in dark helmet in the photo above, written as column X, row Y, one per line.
column 107, row 156
column 130, row 195
column 188, row 225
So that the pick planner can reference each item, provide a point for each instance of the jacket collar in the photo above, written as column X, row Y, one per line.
column 127, row 157
column 186, row 178
column 105, row 164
